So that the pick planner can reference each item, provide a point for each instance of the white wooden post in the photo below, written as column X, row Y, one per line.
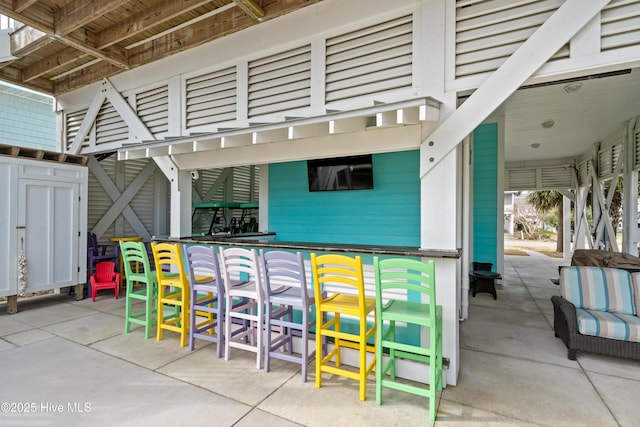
column 440, row 218
column 566, row 229
column 630, row 199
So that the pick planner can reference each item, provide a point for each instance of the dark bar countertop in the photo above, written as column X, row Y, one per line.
column 265, row 240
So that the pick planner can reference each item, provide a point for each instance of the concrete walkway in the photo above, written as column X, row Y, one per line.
column 69, row 363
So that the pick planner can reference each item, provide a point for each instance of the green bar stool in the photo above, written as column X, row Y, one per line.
column 401, row 274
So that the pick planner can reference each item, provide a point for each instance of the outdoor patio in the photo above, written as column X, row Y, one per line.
column 69, row 363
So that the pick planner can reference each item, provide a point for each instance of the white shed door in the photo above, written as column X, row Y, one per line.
column 48, row 232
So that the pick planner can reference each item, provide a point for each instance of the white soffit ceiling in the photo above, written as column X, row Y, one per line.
column 580, row 119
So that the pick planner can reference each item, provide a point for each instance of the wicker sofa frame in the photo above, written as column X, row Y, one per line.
column 566, row 328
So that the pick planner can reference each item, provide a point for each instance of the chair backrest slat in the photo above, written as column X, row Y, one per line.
column 282, row 268
column 408, row 274
column 332, row 269
column 135, row 253
column 105, row 271
column 168, row 260
column 204, row 268
column 240, row 265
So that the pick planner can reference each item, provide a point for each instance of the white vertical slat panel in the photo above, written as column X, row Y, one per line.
column 110, row 127
column 280, row 82
column 520, row 179
column 616, row 156
column 620, row 24
column 152, row 106
column 607, row 160
column 636, row 145
column 207, row 179
column 489, row 32
column 245, row 184
column 557, row 177
column 99, row 202
column 143, row 202
column 584, row 171
column 376, row 59
column 211, row 98
column 72, row 125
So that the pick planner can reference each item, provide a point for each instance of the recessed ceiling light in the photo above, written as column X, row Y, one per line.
column 573, row 87
column 548, row 124
column 535, row 145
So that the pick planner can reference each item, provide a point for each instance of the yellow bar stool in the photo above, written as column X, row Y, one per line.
column 331, row 273
column 173, row 290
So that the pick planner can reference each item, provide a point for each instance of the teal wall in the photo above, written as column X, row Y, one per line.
column 25, row 121
column 387, row 215
column 485, row 194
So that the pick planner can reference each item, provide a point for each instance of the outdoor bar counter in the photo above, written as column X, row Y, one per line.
column 267, row 240
column 447, row 291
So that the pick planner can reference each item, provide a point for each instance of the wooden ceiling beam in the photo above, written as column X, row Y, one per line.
column 249, row 7
column 147, row 18
column 14, row 75
column 196, row 34
column 204, row 31
column 209, row 29
column 84, row 77
column 74, row 66
column 20, row 5
column 52, row 63
column 26, row 40
column 77, row 13
column 36, row 16
column 83, row 40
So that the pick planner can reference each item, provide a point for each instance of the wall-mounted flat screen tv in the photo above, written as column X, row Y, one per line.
column 341, row 173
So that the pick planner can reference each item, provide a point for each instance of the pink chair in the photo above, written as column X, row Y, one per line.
column 105, row 278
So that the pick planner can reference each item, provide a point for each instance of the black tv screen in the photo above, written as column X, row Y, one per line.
column 341, row 173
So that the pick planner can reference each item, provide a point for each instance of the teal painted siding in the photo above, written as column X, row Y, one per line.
column 387, row 215
column 27, row 122
column 485, row 194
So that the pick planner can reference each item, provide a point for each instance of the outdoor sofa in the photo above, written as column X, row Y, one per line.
column 598, row 311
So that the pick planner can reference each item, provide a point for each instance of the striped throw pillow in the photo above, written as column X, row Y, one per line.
column 596, row 288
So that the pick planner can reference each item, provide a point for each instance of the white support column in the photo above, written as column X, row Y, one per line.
column 581, row 226
column 120, row 184
column 181, row 205
column 467, row 227
column 160, row 204
column 500, row 197
column 180, row 182
column 440, row 218
column 263, row 219
column 630, row 199
column 566, row 229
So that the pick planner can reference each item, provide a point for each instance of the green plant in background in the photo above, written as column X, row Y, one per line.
column 545, row 201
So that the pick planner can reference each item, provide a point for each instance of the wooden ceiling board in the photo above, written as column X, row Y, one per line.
column 72, row 43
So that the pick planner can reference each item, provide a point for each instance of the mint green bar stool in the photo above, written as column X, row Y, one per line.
column 393, row 275
column 142, row 285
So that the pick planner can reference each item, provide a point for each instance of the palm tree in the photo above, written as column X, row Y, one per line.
column 545, row 201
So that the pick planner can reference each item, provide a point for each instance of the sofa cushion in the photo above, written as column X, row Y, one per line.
column 608, row 325
column 635, row 283
column 598, row 288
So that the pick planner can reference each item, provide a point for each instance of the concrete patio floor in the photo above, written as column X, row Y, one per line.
column 67, row 362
